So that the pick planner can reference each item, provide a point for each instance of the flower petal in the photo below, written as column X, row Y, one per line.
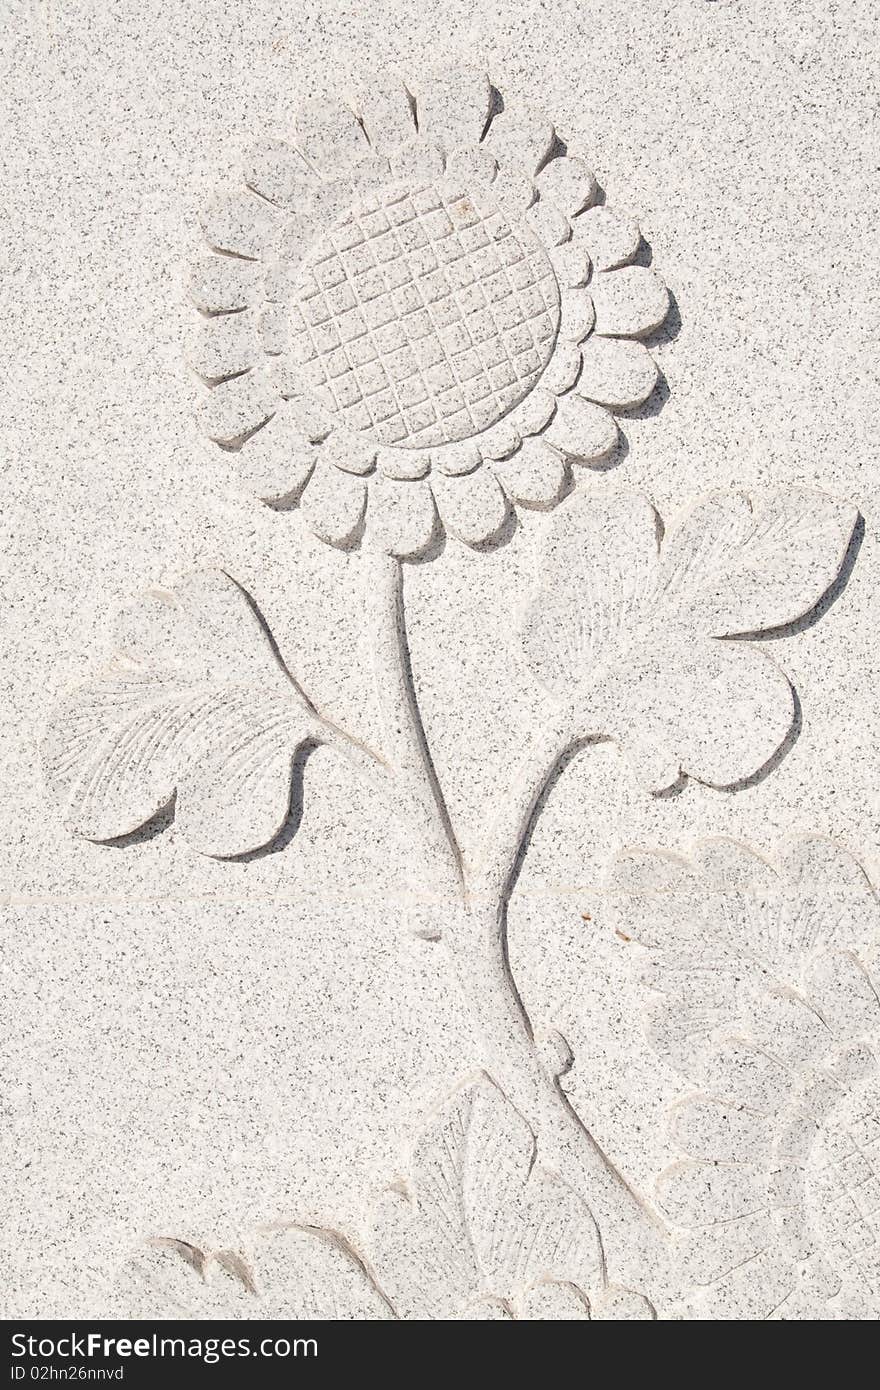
column 333, row 198
column 220, row 283
column 349, row 452
column 280, row 281
column 500, row 439
column 401, row 517
column 513, row 191
column 718, row 1131
column 275, row 463
column 453, row 107
column 521, row 139
column 472, row 506
column 550, row 226
column 725, row 710
column 568, row 183
column 629, row 302
column 616, row 371
column 330, row 136
column 386, row 111
column 278, row 172
column 455, row 459
column 297, row 234
column 571, row 264
column 535, row 475
column 578, row 315
column 611, row 239
column 419, row 160
column 333, row 504
column 405, row 463
column 534, row 414
column 472, row 167
column 563, row 369
column 241, row 223
column 223, row 345
column 310, row 419
column 581, row 429
column 702, row 1194
column 232, row 409
column 273, row 329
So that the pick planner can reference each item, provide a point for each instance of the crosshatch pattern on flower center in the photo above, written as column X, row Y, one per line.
column 422, row 319
column 844, row 1186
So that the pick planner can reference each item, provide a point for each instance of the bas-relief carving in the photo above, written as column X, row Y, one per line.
column 760, row 982
column 416, row 319
column 475, row 1230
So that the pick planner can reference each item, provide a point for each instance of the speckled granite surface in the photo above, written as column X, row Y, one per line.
column 439, row 725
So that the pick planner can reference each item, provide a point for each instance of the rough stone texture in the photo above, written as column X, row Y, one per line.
column 260, row 1051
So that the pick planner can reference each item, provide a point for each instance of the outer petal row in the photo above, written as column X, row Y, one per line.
column 401, row 515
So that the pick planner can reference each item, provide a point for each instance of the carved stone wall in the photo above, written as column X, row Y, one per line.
column 440, row 847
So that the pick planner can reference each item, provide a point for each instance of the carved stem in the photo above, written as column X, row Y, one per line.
column 475, row 933
column 404, row 740
column 632, row 1239
column 491, row 876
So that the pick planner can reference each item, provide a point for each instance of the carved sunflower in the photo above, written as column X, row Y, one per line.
column 416, row 317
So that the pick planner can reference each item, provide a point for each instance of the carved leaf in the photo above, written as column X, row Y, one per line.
column 754, row 990
column 479, row 1221
column 623, row 632
column 195, row 700
column 294, row 1273
column 314, row 1274
column 731, row 569
column 737, row 948
column 596, row 574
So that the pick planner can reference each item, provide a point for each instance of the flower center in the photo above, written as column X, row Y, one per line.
column 422, row 318
column 843, row 1184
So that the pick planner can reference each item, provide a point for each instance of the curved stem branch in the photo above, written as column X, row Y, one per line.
column 493, row 871
column 475, row 934
column 633, row 1240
